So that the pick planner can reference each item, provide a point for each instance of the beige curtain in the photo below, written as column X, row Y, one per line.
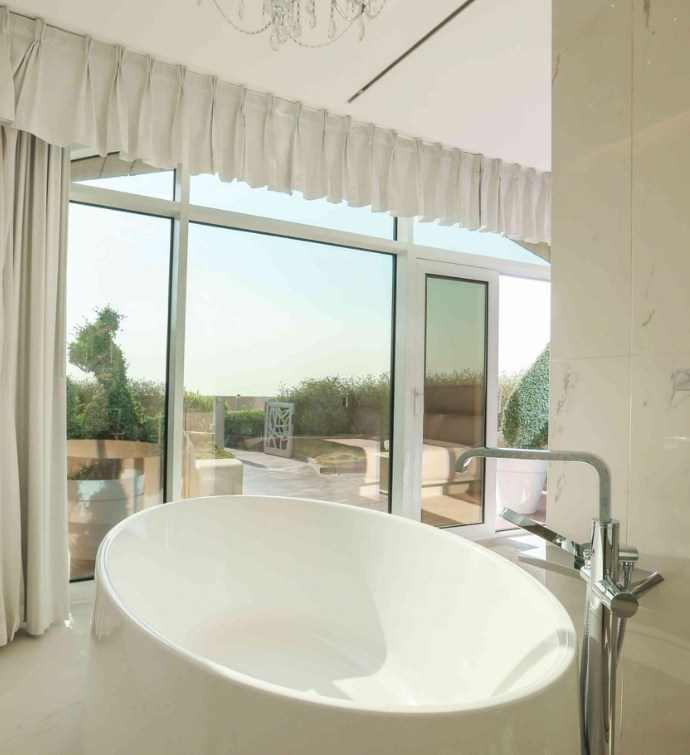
column 34, row 558
column 70, row 89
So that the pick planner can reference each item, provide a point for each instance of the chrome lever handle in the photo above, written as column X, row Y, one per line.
column 621, row 600
column 561, row 567
column 644, row 585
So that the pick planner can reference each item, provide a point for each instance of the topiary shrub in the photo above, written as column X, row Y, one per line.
column 75, row 420
column 506, row 385
column 112, row 411
column 525, row 422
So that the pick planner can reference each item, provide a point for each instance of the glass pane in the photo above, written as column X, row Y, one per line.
column 287, row 369
column 117, row 310
column 210, row 191
column 472, row 242
column 135, row 177
column 523, row 334
column 454, row 400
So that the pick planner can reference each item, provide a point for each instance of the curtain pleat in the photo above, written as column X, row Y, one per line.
column 34, row 558
column 69, row 89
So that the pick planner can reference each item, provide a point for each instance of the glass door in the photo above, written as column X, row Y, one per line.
column 457, row 383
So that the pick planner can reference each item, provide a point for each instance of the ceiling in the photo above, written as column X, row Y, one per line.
column 482, row 83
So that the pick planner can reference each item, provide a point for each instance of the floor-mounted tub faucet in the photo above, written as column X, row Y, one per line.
column 613, row 588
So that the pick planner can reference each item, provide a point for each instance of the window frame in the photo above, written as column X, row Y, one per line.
column 408, row 305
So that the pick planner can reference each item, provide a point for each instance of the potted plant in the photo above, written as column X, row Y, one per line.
column 525, row 424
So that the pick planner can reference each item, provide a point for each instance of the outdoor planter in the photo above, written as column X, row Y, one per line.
column 519, row 484
column 108, row 480
column 95, row 506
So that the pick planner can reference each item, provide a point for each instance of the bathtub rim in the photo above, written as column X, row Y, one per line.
column 563, row 661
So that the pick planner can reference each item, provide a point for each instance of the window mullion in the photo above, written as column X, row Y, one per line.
column 405, row 231
column 176, row 340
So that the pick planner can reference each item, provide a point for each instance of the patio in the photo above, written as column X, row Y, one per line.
column 264, row 474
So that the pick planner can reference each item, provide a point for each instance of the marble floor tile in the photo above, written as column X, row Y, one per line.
column 42, row 683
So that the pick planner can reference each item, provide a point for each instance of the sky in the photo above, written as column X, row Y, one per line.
column 264, row 311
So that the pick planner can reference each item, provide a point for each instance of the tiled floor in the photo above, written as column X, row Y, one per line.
column 43, row 680
column 42, row 684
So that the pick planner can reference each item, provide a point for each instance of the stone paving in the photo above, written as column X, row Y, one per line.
column 264, row 474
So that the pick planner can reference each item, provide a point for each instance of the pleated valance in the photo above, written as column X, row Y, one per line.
column 70, row 89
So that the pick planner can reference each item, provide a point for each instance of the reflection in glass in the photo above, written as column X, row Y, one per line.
column 454, row 400
column 117, row 305
column 287, row 364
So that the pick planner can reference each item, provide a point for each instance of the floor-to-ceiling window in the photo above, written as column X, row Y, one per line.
column 284, row 342
column 223, row 339
column 117, row 322
column 287, row 368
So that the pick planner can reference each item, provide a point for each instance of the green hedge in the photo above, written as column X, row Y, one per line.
column 526, row 415
column 337, row 406
column 195, row 402
column 246, row 423
column 323, row 406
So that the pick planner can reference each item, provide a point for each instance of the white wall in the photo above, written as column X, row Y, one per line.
column 621, row 323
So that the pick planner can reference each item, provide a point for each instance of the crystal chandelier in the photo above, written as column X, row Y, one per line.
column 300, row 21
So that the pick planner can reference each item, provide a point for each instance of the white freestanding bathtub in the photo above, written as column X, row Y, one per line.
column 278, row 626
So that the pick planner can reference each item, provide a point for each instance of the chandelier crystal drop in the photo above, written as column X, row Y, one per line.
column 307, row 23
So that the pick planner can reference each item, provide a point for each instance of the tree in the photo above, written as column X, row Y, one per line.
column 112, row 411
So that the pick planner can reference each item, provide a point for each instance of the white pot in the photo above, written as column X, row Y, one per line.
column 95, row 506
column 519, row 484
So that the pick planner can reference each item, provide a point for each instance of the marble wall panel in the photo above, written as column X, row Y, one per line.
column 661, row 170
column 589, row 412
column 653, row 445
column 591, row 250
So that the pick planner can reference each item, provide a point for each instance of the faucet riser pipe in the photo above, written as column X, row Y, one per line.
column 600, row 695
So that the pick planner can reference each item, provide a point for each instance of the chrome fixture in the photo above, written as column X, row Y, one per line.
column 297, row 20
column 614, row 585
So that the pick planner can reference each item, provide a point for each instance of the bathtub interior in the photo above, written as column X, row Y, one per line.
column 336, row 602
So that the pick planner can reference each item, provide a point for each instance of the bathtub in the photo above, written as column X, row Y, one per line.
column 280, row 626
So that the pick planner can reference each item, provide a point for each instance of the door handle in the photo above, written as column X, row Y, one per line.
column 418, row 401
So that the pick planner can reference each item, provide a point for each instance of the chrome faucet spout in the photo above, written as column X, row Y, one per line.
column 578, row 456
column 576, row 550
